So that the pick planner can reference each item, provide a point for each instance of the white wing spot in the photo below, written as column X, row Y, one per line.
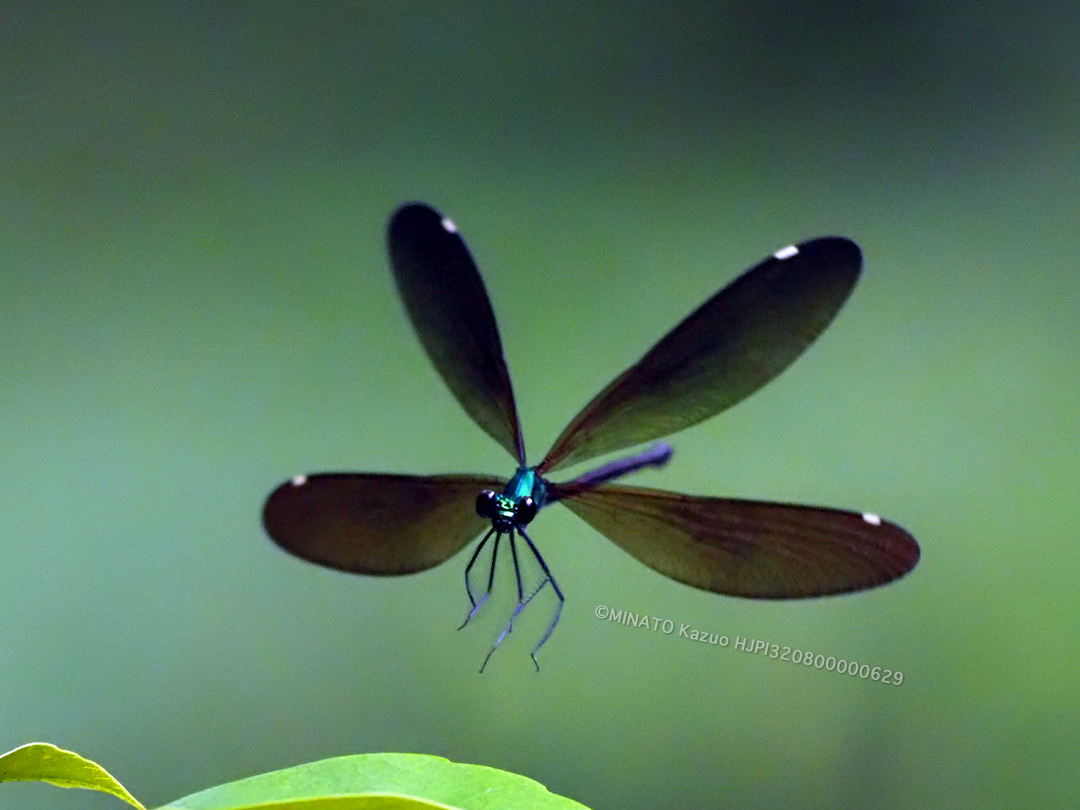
column 449, row 225
column 871, row 518
column 786, row 253
column 299, row 480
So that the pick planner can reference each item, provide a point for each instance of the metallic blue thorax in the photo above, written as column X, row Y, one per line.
column 525, row 484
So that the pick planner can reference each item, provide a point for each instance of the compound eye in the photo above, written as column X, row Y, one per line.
column 485, row 504
column 525, row 511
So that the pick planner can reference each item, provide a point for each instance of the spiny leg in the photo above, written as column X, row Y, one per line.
column 491, row 574
column 517, row 568
column 522, row 601
column 472, row 559
column 510, row 625
column 555, row 585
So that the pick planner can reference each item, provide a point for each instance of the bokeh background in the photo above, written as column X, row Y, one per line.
column 195, row 304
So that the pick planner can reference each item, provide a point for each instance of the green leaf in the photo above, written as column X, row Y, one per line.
column 380, row 780
column 42, row 762
column 385, row 801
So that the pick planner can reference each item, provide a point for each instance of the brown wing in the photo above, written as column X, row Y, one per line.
column 452, row 315
column 746, row 548
column 724, row 351
column 378, row 524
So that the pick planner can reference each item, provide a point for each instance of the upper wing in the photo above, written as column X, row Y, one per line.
column 728, row 348
column 376, row 524
column 746, row 548
column 451, row 313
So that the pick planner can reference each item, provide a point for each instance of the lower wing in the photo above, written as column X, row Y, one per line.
column 372, row 523
column 754, row 549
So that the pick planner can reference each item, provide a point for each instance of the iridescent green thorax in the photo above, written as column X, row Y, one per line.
column 525, row 484
column 515, row 508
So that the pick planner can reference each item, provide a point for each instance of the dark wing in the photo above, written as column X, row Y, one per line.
column 376, row 524
column 730, row 347
column 451, row 313
column 746, row 548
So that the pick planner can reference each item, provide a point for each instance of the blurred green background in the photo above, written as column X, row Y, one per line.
column 196, row 305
